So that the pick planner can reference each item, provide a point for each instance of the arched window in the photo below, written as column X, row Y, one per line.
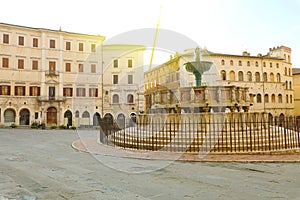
column 287, row 98
column 273, row 98
column 289, row 71
column 240, row 63
column 241, row 76
column 272, row 77
column 249, row 76
column 85, row 114
column 286, row 85
column 223, row 75
column 277, row 65
column 256, row 64
column 258, row 98
column 290, row 85
column 278, row 79
column 265, row 77
column 248, row 63
column 257, row 77
column 266, row 98
column 289, row 58
column 232, row 76
column 129, row 98
column 279, row 98
column 231, row 62
column 77, row 114
column 291, row 98
column 222, row 62
column 115, row 98
column 285, row 71
column 264, row 64
column 271, row 65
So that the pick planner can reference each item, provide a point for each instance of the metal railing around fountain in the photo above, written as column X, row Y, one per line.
column 224, row 135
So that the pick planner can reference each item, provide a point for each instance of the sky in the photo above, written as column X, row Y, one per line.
column 222, row 26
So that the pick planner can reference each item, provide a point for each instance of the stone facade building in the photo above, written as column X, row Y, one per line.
column 267, row 78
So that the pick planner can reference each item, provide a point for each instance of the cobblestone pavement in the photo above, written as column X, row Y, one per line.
column 41, row 164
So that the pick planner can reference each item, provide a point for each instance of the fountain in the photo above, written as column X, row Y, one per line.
column 198, row 67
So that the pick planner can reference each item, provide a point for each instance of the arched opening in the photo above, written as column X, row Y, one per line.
column 85, row 122
column 24, row 117
column 115, row 99
column 133, row 119
column 68, row 118
column 223, row 75
column 52, row 116
column 96, row 119
column 9, row 116
column 121, row 121
column 257, row 77
column 232, row 76
column 129, row 98
column 281, row 119
column 241, row 76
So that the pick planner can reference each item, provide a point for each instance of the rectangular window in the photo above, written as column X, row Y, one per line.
column 52, row 66
column 80, row 46
column 5, row 62
column 20, row 63
column 5, row 38
column 35, row 42
column 80, row 67
column 19, row 90
column 68, row 46
column 52, row 44
column 34, row 91
column 36, row 115
column 93, row 68
column 80, row 92
column 4, row 90
column 116, row 63
column 115, row 79
column 130, row 79
column 21, row 40
column 68, row 67
column 93, row 47
column 67, row 92
column 35, row 65
column 129, row 63
column 93, row 92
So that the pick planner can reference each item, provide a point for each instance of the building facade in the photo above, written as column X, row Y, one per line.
column 268, row 78
column 296, row 84
column 63, row 78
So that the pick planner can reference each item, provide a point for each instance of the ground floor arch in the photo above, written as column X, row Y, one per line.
column 52, row 116
column 24, row 117
column 9, row 116
column 68, row 118
column 121, row 120
column 96, row 119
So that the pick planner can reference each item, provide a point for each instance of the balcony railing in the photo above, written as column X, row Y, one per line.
column 51, row 73
column 52, row 99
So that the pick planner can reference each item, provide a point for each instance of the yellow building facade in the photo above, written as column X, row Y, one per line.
column 296, row 83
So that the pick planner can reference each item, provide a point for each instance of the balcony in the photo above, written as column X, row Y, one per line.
column 51, row 99
column 51, row 73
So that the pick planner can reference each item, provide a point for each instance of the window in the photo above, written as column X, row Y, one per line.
column 21, row 41
column 129, row 63
column 291, row 98
column 80, row 67
column 231, row 62
column 289, row 58
column 5, row 62
column 277, row 65
column 35, row 65
column 223, row 75
column 35, row 42
column 67, row 92
column 249, row 76
column 290, row 85
column 93, row 47
column 232, row 76
column 248, row 63
column 34, row 91
column 93, row 92
column 285, row 71
column 264, row 64
column 222, row 62
column 4, row 90
column 93, row 68
column 286, row 85
column 20, row 63
column 115, row 98
column 52, row 66
column 240, row 63
column 272, row 78
column 278, row 78
column 68, row 46
column 256, row 64
column 258, row 98
column 68, row 67
column 266, row 98
column 130, row 98
column 280, row 98
column 265, row 77
column 130, row 79
column 77, row 114
column 241, row 76
column 273, row 98
column 116, row 63
column 289, row 72
column 52, row 44
column 80, row 92
column 80, row 46
column 287, row 98
column 115, row 79
column 5, row 39
column 271, row 65
column 257, row 77
column 19, row 90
